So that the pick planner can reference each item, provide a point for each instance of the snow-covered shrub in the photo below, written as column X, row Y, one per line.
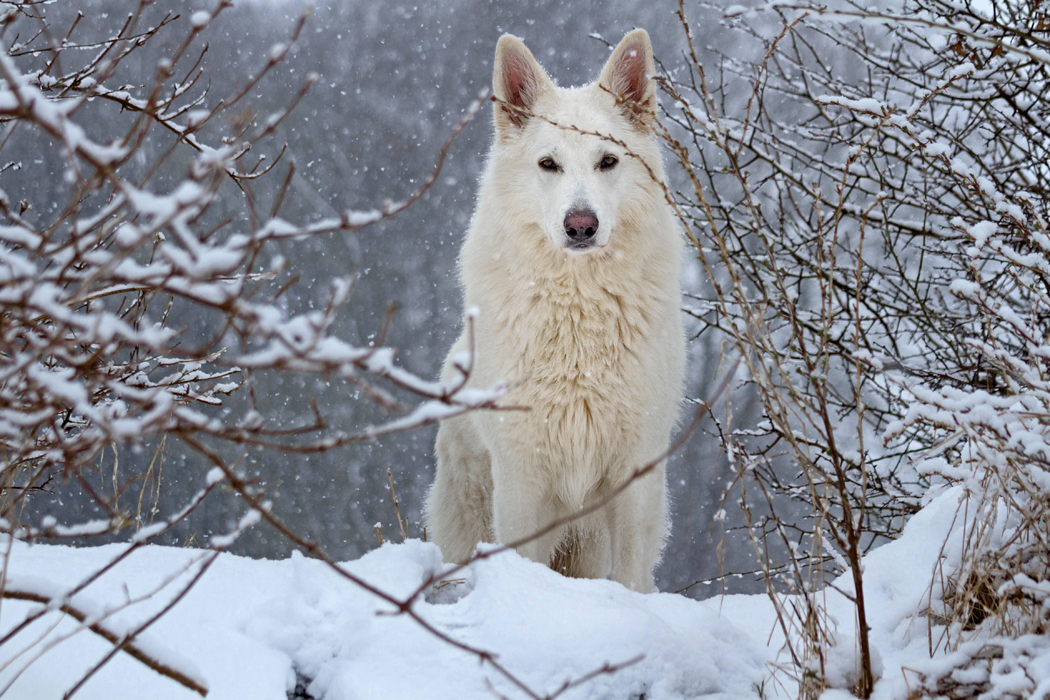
column 869, row 202
column 138, row 308
column 121, row 307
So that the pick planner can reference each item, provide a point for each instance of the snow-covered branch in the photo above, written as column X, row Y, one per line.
column 139, row 308
column 869, row 203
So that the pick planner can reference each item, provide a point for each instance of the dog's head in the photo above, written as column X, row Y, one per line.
column 572, row 159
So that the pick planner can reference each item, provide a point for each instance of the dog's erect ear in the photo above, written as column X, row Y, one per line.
column 517, row 80
column 628, row 75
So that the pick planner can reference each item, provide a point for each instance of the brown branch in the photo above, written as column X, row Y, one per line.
column 120, row 642
column 127, row 641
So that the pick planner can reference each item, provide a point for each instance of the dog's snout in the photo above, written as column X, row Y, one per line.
column 581, row 225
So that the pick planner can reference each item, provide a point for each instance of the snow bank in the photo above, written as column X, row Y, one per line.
column 248, row 625
column 903, row 581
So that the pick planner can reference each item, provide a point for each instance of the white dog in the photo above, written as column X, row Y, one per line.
column 570, row 269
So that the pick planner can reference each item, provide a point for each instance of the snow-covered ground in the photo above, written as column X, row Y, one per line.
column 249, row 626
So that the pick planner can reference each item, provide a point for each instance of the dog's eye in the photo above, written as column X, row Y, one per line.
column 608, row 162
column 548, row 164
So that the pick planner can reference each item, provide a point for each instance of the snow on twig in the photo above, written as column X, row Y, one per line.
column 119, row 306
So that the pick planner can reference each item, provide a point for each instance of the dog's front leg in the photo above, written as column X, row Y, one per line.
column 520, row 507
column 637, row 522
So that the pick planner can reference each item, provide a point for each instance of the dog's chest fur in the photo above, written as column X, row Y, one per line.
column 576, row 339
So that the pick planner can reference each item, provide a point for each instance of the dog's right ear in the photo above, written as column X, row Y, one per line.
column 517, row 80
column 628, row 75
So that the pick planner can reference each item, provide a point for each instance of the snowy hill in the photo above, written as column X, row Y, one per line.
column 248, row 625
column 251, row 628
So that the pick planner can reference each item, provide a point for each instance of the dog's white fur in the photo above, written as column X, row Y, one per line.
column 592, row 330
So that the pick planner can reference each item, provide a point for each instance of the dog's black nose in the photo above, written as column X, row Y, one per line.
column 581, row 225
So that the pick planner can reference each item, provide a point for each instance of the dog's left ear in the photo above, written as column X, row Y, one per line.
column 628, row 75
column 517, row 81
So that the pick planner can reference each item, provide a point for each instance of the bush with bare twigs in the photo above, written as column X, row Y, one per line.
column 139, row 309
column 870, row 202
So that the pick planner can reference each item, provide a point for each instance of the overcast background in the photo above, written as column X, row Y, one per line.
column 395, row 78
